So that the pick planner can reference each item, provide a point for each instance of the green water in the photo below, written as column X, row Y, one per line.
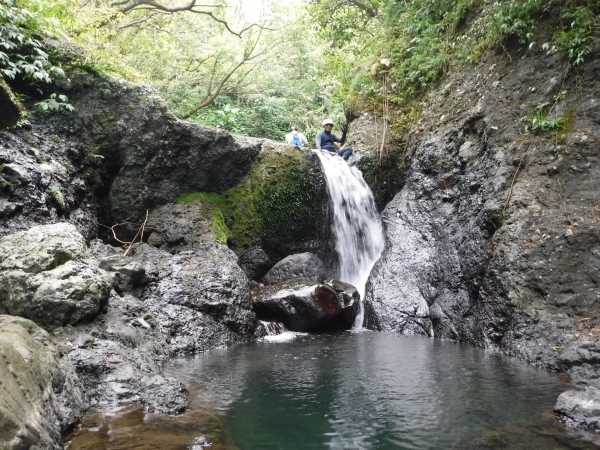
column 356, row 391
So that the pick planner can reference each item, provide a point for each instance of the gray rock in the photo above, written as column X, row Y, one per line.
column 200, row 299
column 120, row 361
column 43, row 176
column 255, row 263
column 128, row 274
column 179, row 227
column 306, row 305
column 101, row 250
column 30, row 415
column 582, row 362
column 200, row 443
column 580, row 408
column 302, row 265
column 48, row 276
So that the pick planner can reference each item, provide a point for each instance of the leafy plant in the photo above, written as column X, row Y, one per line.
column 21, row 53
column 54, row 103
column 576, row 38
column 540, row 121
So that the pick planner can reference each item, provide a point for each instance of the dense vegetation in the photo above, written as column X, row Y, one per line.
column 258, row 67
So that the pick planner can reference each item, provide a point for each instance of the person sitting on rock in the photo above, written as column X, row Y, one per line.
column 326, row 140
column 294, row 137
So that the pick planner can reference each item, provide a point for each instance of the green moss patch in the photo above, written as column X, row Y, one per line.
column 275, row 200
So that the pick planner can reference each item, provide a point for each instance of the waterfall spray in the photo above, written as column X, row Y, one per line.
column 356, row 223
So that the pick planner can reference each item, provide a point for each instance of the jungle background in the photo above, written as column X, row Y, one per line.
column 257, row 67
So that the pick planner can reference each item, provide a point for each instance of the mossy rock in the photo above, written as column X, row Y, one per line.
column 278, row 199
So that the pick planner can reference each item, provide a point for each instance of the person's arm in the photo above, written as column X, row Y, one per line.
column 303, row 139
column 344, row 131
column 318, row 140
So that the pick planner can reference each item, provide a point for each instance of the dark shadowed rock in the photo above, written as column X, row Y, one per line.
column 48, row 276
column 200, row 299
column 30, row 415
column 10, row 111
column 42, row 179
column 302, row 265
column 255, row 263
column 306, row 305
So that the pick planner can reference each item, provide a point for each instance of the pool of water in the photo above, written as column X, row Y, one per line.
column 348, row 391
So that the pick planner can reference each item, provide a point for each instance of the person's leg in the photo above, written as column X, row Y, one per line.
column 345, row 153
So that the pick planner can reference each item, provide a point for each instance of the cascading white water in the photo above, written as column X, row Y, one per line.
column 356, row 223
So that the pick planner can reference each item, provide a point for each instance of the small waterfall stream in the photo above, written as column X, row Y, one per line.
column 356, row 223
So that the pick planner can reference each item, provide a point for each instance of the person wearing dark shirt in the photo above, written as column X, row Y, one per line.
column 325, row 140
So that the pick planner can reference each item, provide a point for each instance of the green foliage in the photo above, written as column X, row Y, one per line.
column 576, row 38
column 54, row 103
column 275, row 200
column 540, row 121
column 513, row 18
column 21, row 53
column 344, row 22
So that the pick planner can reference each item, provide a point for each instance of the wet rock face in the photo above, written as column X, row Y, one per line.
column 494, row 237
column 305, row 305
column 48, row 276
column 31, row 416
column 200, row 298
column 302, row 265
column 119, row 356
column 42, row 175
column 440, row 223
column 255, row 263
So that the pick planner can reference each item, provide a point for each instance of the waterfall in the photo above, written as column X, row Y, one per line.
column 356, row 224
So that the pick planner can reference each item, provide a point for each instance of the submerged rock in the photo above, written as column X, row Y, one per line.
column 301, row 265
column 47, row 275
column 306, row 305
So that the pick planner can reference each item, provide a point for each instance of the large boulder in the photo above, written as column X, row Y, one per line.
column 306, row 305
column 47, row 275
column 30, row 415
column 302, row 265
column 200, row 298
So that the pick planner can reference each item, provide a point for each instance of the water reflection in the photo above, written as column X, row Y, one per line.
column 366, row 391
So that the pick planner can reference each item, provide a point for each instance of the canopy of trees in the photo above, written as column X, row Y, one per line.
column 257, row 67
